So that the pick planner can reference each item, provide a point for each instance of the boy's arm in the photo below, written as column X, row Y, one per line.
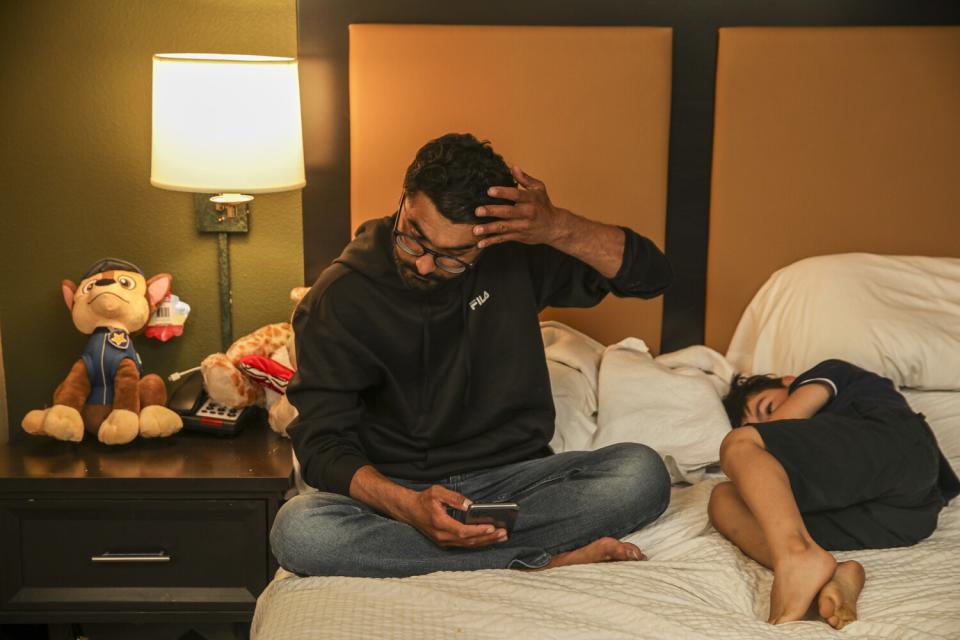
column 805, row 402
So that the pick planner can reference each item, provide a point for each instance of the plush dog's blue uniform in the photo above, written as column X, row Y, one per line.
column 106, row 349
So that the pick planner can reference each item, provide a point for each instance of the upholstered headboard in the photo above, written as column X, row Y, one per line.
column 355, row 170
column 829, row 140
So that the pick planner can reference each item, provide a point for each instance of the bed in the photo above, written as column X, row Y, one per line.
column 776, row 92
column 696, row 584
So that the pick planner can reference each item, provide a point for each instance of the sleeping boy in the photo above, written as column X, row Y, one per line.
column 831, row 459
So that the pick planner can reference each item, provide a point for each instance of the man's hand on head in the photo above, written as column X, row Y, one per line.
column 532, row 219
column 427, row 513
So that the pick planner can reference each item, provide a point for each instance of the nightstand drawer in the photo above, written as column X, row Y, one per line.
column 139, row 554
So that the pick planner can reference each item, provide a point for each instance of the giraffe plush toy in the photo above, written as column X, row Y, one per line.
column 255, row 370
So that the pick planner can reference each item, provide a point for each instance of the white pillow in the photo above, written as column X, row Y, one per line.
column 898, row 316
column 577, row 350
column 573, row 360
column 575, row 402
column 676, row 412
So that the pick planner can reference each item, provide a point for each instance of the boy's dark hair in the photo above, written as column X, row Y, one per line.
column 742, row 388
column 455, row 171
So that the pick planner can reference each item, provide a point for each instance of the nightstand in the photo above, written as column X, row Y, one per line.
column 175, row 529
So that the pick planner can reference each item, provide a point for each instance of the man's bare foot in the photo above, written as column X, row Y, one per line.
column 837, row 601
column 797, row 579
column 601, row 550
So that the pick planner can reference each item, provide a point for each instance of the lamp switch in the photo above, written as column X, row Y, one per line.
column 210, row 220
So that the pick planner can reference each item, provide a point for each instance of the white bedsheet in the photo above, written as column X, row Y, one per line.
column 695, row 585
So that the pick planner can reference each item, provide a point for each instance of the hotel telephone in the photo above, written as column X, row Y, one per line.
column 200, row 413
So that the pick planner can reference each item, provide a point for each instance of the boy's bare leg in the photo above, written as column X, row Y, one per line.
column 800, row 566
column 729, row 514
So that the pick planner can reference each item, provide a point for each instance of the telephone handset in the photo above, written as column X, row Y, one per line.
column 200, row 413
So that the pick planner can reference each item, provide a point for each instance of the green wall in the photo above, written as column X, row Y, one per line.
column 75, row 179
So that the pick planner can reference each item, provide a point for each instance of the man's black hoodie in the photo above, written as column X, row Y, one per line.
column 424, row 385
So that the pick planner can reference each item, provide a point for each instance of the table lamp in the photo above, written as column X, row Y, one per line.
column 226, row 125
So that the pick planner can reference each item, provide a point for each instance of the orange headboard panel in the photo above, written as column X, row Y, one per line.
column 829, row 140
column 585, row 109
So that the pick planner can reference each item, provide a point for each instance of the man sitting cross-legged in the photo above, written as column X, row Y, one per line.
column 423, row 385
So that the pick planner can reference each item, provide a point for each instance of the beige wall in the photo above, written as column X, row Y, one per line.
column 75, row 178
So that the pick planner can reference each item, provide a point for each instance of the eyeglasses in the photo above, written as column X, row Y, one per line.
column 412, row 246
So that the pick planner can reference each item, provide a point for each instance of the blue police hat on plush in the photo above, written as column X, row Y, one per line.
column 111, row 264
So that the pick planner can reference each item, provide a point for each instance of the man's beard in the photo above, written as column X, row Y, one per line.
column 414, row 280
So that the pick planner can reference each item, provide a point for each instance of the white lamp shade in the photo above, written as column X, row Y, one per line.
column 226, row 123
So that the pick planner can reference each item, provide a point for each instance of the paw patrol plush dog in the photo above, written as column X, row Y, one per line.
column 104, row 391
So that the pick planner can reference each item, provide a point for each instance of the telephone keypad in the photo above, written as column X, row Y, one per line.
column 211, row 409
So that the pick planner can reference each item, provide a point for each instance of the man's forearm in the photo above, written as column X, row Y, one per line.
column 594, row 243
column 374, row 489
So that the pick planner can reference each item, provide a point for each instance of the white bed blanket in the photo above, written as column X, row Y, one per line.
column 695, row 585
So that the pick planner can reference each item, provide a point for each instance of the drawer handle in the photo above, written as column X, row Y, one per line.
column 149, row 556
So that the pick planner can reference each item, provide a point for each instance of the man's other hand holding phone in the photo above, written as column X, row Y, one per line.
column 428, row 514
column 425, row 510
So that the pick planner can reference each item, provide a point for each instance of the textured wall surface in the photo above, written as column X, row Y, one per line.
column 75, row 179
column 4, row 424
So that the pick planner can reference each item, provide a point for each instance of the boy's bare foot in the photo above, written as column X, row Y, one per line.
column 837, row 601
column 797, row 579
column 601, row 550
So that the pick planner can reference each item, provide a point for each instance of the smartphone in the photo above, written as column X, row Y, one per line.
column 502, row 515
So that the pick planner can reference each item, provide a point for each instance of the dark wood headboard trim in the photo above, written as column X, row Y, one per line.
column 324, row 54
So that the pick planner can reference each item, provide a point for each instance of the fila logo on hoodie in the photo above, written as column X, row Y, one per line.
column 479, row 300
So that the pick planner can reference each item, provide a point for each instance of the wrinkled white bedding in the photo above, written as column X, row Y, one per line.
column 695, row 585
column 669, row 403
column 621, row 393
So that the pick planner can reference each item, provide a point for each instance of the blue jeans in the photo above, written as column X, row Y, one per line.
column 566, row 501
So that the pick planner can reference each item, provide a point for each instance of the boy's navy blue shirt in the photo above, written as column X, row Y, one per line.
column 852, row 388
column 850, row 384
